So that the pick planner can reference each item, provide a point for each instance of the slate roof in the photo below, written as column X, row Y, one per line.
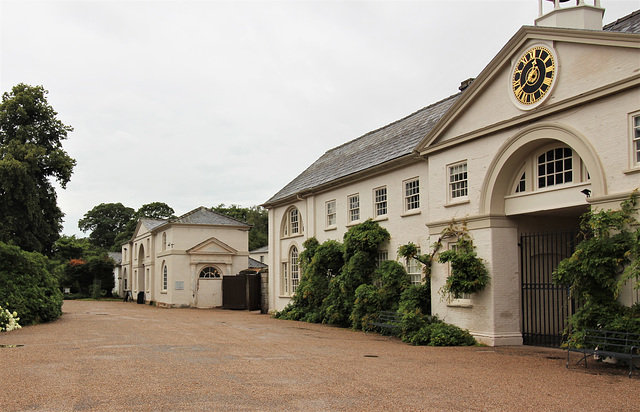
column 390, row 142
column 627, row 24
column 254, row 264
column 263, row 249
column 151, row 224
column 116, row 256
column 204, row 216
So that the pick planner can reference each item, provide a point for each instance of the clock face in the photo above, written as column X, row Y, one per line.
column 533, row 75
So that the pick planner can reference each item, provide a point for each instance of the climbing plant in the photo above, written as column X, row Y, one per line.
column 605, row 260
column 468, row 272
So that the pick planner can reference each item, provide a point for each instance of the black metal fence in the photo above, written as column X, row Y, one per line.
column 545, row 306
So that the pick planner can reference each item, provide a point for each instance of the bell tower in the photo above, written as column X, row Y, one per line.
column 581, row 16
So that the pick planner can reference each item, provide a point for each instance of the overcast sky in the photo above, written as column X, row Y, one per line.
column 197, row 103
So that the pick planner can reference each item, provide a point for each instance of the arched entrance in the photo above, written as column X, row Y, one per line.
column 141, row 271
column 209, row 287
column 540, row 180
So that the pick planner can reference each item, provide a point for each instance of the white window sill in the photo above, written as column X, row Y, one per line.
column 458, row 202
column 293, row 236
column 631, row 171
column 354, row 223
column 381, row 218
column 284, row 297
column 329, row 228
column 411, row 212
column 164, row 292
column 460, row 303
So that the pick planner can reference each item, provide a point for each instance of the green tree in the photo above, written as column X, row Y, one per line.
column 31, row 156
column 256, row 216
column 112, row 224
column 155, row 210
column 105, row 222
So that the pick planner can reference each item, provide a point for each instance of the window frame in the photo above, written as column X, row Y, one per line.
column 459, row 185
column 165, row 277
column 353, row 212
column 411, row 201
column 329, row 213
column 209, row 277
column 575, row 170
column 414, row 268
column 465, row 299
column 290, row 272
column 380, row 201
column 634, row 140
column 294, row 269
column 289, row 223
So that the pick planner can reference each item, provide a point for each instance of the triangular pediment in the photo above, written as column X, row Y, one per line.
column 590, row 64
column 212, row 246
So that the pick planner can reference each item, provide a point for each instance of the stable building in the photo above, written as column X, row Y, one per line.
column 181, row 262
column 550, row 128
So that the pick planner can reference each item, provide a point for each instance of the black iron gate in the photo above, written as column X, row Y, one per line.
column 545, row 306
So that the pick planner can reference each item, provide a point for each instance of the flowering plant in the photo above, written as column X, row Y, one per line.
column 8, row 320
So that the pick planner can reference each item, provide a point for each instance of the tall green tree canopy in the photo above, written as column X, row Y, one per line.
column 255, row 216
column 31, row 155
column 105, row 222
column 112, row 224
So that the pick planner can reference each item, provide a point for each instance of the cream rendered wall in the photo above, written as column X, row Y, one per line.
column 493, row 314
column 404, row 227
column 581, row 67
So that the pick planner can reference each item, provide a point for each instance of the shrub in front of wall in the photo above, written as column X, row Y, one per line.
column 438, row 333
column 27, row 285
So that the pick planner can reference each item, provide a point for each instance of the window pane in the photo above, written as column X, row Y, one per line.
column 555, row 167
column 458, row 180
column 380, row 200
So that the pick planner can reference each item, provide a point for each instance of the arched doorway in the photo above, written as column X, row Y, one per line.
column 209, row 287
column 141, row 272
column 540, row 180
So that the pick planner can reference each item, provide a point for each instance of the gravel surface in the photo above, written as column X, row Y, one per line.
column 125, row 356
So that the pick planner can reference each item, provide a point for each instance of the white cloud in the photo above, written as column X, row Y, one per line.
column 205, row 102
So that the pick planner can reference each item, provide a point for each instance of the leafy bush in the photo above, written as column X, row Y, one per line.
column 438, row 333
column 27, row 285
column 388, row 282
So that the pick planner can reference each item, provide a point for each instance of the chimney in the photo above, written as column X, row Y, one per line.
column 466, row 83
column 581, row 16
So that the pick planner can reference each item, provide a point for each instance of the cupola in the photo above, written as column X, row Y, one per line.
column 581, row 16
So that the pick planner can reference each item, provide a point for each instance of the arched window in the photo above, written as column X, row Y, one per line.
column 209, row 273
column 553, row 166
column 292, row 224
column 290, row 273
column 165, row 277
column 295, row 269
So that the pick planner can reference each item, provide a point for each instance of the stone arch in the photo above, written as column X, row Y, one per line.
column 499, row 177
column 141, row 269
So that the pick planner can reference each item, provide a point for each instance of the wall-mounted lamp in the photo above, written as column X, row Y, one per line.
column 170, row 244
column 586, row 192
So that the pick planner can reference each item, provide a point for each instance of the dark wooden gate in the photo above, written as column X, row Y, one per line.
column 545, row 306
column 242, row 291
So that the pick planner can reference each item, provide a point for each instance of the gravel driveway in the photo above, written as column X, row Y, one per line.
column 125, row 356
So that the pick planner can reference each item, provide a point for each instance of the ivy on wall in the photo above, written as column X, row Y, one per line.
column 606, row 260
column 468, row 272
